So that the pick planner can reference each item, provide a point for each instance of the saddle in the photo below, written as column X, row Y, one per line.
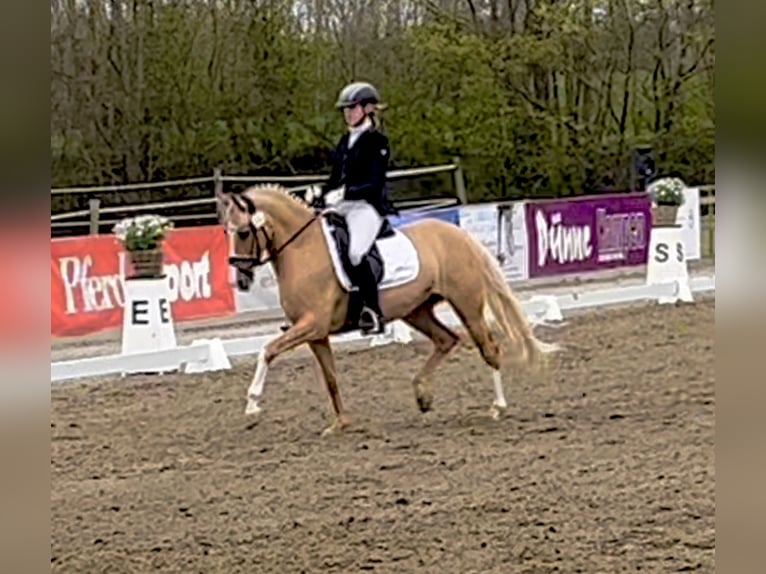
column 393, row 260
column 339, row 230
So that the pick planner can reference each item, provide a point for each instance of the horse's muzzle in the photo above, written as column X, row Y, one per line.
column 244, row 280
column 245, row 273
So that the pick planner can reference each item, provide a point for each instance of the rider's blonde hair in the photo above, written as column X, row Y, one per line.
column 376, row 114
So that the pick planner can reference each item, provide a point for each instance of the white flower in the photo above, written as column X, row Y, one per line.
column 142, row 232
column 667, row 191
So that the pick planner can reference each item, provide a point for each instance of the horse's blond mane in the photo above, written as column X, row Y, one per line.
column 276, row 188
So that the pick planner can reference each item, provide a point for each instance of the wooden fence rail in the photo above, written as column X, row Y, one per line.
column 707, row 220
column 95, row 210
column 94, row 221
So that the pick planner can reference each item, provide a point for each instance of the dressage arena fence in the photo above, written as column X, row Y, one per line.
column 212, row 354
column 72, row 222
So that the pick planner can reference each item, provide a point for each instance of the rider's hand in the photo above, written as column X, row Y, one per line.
column 335, row 196
column 313, row 194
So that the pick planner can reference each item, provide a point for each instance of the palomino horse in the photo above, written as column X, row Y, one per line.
column 421, row 264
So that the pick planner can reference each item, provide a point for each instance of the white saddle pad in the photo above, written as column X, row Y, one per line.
column 400, row 259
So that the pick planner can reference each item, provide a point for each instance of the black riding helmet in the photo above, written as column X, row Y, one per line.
column 357, row 93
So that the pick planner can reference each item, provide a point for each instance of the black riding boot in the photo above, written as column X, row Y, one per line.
column 371, row 318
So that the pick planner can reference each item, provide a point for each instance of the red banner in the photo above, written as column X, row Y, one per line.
column 24, row 314
column 87, row 275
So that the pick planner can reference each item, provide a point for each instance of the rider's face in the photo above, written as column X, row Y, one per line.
column 353, row 115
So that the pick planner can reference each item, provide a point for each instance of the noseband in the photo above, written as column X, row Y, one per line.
column 245, row 263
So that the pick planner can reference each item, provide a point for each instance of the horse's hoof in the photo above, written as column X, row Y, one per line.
column 335, row 428
column 496, row 411
column 332, row 429
column 252, row 407
column 425, row 403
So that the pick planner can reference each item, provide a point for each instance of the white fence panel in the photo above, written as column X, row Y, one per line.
column 537, row 308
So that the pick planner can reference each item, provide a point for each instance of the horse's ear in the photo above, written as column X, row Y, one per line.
column 220, row 194
column 222, row 201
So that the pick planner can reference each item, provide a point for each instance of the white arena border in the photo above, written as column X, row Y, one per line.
column 543, row 307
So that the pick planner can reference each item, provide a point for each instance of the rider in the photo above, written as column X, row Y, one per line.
column 357, row 189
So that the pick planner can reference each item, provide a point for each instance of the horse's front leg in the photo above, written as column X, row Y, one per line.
column 301, row 332
column 326, row 362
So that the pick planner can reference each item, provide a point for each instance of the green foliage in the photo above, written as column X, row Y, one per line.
column 547, row 104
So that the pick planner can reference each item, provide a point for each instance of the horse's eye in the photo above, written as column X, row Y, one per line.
column 243, row 234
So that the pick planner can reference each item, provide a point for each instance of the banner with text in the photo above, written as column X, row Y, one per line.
column 88, row 274
column 691, row 227
column 502, row 229
column 587, row 234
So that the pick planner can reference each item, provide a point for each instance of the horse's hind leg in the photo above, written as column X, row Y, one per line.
column 444, row 341
column 471, row 313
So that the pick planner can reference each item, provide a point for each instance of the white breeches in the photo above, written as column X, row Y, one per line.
column 363, row 226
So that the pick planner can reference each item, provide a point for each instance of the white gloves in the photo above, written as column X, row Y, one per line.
column 312, row 193
column 335, row 196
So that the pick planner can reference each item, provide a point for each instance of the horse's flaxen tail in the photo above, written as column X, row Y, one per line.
column 506, row 311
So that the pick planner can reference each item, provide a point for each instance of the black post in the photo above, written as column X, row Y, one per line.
column 642, row 168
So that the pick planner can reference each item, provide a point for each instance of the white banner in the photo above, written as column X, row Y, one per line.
column 501, row 230
column 263, row 294
column 689, row 218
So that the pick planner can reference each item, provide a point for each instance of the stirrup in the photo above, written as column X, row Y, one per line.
column 371, row 322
